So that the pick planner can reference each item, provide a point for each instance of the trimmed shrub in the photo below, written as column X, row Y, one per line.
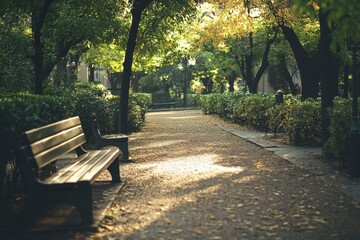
column 251, row 110
column 194, row 100
column 302, row 123
column 340, row 123
column 138, row 105
column 92, row 97
column 275, row 118
column 217, row 103
column 19, row 113
column 276, row 115
column 142, row 99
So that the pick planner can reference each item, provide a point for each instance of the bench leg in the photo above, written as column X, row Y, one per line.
column 84, row 205
column 114, row 170
column 29, row 213
column 125, row 150
column 80, row 198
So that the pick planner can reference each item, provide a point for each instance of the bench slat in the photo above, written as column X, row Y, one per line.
column 50, row 155
column 48, row 130
column 65, row 172
column 84, row 165
column 56, row 139
column 103, row 163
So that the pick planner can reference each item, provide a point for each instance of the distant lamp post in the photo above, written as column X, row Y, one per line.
column 354, row 46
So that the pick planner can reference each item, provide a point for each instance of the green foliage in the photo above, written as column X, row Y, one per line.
column 194, row 100
column 165, row 79
column 19, row 113
column 141, row 99
column 15, row 67
column 216, row 103
column 67, row 25
column 109, row 56
column 91, row 98
column 340, row 123
column 277, row 114
column 22, row 112
column 302, row 122
column 138, row 105
column 136, row 118
column 342, row 14
column 251, row 110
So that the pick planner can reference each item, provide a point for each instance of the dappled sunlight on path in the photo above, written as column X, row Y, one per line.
column 192, row 180
column 197, row 164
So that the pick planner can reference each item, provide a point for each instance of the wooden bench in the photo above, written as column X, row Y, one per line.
column 118, row 140
column 162, row 100
column 72, row 183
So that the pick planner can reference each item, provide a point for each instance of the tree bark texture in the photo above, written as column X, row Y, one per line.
column 287, row 76
column 346, row 82
column 231, row 80
column 249, row 75
column 136, row 13
column 308, row 66
column 245, row 64
column 264, row 64
column 38, row 20
column 91, row 77
column 329, row 74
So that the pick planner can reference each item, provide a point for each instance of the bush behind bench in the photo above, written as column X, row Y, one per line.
column 24, row 111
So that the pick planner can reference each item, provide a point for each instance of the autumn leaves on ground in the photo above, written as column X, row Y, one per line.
column 192, row 180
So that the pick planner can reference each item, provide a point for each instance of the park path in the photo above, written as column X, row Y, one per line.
column 193, row 180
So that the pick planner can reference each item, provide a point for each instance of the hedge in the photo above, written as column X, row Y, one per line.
column 24, row 111
column 299, row 120
column 338, row 145
column 19, row 113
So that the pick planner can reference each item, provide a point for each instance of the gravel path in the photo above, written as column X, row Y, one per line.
column 193, row 180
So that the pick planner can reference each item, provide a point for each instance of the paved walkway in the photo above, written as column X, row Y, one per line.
column 193, row 177
column 309, row 158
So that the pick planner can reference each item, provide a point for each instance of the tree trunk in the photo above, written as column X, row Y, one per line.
column 264, row 63
column 346, row 82
column 72, row 69
column 249, row 75
column 208, row 84
column 60, row 72
column 246, row 65
column 91, row 77
column 287, row 75
column 112, row 81
column 38, row 19
column 329, row 74
column 231, row 80
column 308, row 67
column 125, row 84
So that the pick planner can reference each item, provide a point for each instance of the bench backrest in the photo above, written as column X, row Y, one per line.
column 47, row 143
